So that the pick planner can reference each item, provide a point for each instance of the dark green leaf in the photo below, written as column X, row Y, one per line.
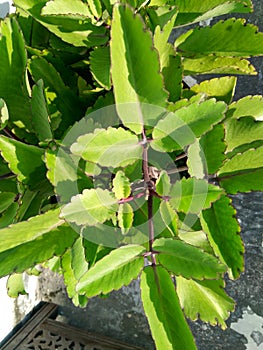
column 100, row 66
column 221, row 226
column 186, row 260
column 222, row 39
column 6, row 199
column 193, row 195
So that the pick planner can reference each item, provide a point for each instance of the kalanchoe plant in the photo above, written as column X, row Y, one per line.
column 140, row 187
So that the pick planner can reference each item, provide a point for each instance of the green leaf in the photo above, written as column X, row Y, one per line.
column 169, row 217
column 43, row 236
column 222, row 39
column 6, row 199
column 179, row 129
column 205, row 299
column 168, row 326
column 15, row 285
column 161, row 16
column 95, row 7
column 193, row 11
column 113, row 271
column 80, row 33
column 7, row 217
column 121, row 185
column 66, row 7
column 193, row 195
column 196, row 238
column 74, row 265
column 243, row 163
column 12, row 71
column 206, row 155
column 163, row 184
column 4, row 115
column 243, row 182
column 186, row 260
column 91, row 207
column 40, row 118
column 222, row 89
column 111, row 147
column 24, row 160
column 65, row 100
column 213, row 64
column 249, row 106
column 125, row 217
column 221, row 226
column 138, row 84
column 100, row 66
column 242, row 134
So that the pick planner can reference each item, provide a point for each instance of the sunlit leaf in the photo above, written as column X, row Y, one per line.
column 138, row 82
column 125, row 217
column 111, row 147
column 15, row 285
column 113, row 271
column 90, row 207
column 121, row 185
column 181, row 128
column 206, row 300
column 162, row 308
column 249, row 106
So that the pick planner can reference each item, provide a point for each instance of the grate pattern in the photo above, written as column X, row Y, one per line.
column 42, row 332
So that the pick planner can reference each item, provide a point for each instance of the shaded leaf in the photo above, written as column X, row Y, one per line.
column 74, row 265
column 67, row 27
column 7, row 217
column 163, row 184
column 113, row 271
column 206, row 155
column 24, row 160
column 91, row 207
column 221, row 226
column 179, row 129
column 12, row 71
column 139, row 81
column 6, row 199
column 222, row 39
column 125, row 217
column 40, row 118
column 205, row 299
column 186, row 260
column 100, row 66
column 169, row 217
column 162, row 308
column 193, row 195
column 109, row 147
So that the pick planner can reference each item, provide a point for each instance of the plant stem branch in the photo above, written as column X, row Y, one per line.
column 151, row 226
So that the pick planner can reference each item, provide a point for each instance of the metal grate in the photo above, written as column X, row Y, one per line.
column 41, row 332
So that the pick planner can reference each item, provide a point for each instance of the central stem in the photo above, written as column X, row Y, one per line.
column 149, row 184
